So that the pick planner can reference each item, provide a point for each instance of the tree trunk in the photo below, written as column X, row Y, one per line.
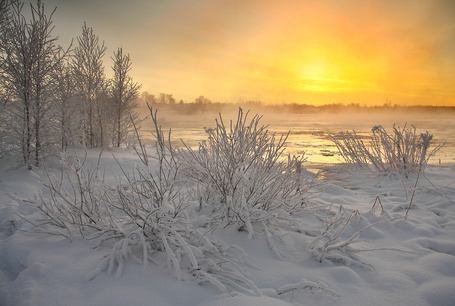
column 119, row 133
column 38, row 126
column 119, row 117
column 37, row 136
column 28, row 137
column 63, row 127
column 91, row 135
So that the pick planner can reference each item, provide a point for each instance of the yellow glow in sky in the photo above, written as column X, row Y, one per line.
column 304, row 51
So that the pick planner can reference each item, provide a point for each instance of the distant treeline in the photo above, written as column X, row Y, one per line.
column 202, row 104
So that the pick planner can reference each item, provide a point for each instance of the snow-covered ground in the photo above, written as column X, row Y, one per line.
column 404, row 261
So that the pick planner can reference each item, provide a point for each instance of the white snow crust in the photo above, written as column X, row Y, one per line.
column 410, row 261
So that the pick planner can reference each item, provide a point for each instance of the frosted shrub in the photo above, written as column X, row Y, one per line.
column 76, row 201
column 144, row 213
column 241, row 176
column 341, row 231
column 403, row 150
column 238, row 177
column 330, row 245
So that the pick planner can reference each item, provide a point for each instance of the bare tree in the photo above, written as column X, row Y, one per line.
column 102, row 114
column 68, row 112
column 145, row 98
column 166, row 99
column 48, row 56
column 89, row 76
column 202, row 100
column 124, row 93
column 29, row 56
column 16, row 75
column 5, row 14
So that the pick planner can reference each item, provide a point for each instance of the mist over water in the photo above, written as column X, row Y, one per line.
column 309, row 132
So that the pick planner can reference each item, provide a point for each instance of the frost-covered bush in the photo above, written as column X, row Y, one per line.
column 241, row 176
column 144, row 213
column 238, row 176
column 403, row 150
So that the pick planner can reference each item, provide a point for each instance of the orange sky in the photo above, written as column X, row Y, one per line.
column 304, row 51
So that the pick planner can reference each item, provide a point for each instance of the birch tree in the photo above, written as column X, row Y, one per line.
column 102, row 115
column 29, row 56
column 17, row 76
column 5, row 15
column 124, row 92
column 90, row 80
column 47, row 57
column 67, row 108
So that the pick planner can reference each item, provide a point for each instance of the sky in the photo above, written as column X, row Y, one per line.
column 368, row 52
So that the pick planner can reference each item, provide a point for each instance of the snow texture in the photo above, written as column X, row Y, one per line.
column 354, row 248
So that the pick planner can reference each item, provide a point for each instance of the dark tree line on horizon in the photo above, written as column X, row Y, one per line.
column 202, row 104
column 55, row 97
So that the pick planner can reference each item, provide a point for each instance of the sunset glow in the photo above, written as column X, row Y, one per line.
column 312, row 52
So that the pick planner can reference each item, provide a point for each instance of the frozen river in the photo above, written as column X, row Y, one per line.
column 309, row 132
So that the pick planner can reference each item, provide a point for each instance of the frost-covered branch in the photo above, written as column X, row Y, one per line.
column 290, row 291
column 144, row 213
column 403, row 151
column 333, row 245
column 242, row 177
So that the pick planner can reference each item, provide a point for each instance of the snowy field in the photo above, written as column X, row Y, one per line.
column 397, row 261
